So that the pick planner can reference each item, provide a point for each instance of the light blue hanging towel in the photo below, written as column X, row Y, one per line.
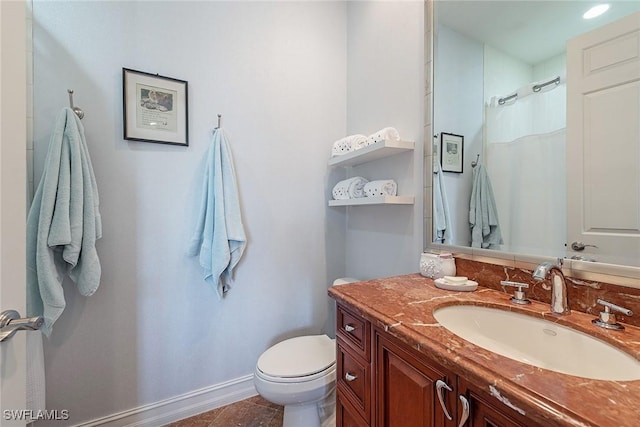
column 219, row 237
column 63, row 223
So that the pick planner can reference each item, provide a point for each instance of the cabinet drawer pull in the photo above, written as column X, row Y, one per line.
column 349, row 377
column 440, row 387
column 349, row 327
column 465, row 411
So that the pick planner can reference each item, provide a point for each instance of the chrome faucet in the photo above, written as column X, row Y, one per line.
column 559, row 300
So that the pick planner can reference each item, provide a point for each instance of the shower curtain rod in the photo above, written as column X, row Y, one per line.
column 502, row 101
column 536, row 88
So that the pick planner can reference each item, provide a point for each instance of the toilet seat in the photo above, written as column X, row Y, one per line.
column 298, row 359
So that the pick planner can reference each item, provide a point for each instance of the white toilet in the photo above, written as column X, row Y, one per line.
column 300, row 374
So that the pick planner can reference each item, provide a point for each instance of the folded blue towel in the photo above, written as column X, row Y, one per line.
column 63, row 223
column 219, row 237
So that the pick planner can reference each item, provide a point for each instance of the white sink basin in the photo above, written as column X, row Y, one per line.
column 538, row 342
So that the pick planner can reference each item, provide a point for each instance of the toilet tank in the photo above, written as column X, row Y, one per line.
column 344, row 280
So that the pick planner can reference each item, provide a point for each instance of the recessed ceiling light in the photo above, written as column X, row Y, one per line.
column 596, row 11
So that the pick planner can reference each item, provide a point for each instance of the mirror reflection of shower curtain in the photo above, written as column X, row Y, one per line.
column 525, row 158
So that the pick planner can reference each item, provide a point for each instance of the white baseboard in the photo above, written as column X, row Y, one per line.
column 180, row 407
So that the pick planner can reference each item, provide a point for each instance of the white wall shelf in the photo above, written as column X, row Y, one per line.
column 372, row 152
column 379, row 200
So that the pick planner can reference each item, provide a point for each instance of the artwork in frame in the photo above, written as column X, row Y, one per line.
column 451, row 152
column 155, row 108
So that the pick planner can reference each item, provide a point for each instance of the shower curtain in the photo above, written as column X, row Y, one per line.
column 525, row 158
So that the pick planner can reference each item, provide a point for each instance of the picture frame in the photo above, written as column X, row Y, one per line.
column 451, row 152
column 155, row 108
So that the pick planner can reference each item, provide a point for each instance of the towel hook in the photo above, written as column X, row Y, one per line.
column 219, row 118
column 76, row 110
column 475, row 163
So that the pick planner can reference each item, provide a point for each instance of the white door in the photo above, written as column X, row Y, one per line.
column 603, row 142
column 12, row 203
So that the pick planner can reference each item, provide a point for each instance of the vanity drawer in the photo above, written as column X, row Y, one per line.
column 354, row 380
column 355, row 331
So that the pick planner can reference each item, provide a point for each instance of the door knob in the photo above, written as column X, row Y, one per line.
column 10, row 323
column 579, row 246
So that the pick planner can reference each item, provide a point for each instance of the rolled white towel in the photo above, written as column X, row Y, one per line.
column 388, row 134
column 347, row 144
column 382, row 187
column 359, row 143
column 351, row 188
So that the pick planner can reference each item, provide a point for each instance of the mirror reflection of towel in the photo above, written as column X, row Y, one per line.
column 483, row 214
column 443, row 232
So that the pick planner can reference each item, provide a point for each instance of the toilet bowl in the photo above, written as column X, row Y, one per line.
column 300, row 374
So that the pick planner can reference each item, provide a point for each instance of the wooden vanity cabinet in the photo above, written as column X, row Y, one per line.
column 353, row 370
column 485, row 413
column 406, row 389
column 383, row 382
column 347, row 415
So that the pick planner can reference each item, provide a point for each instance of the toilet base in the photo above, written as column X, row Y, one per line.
column 331, row 421
column 301, row 415
column 316, row 414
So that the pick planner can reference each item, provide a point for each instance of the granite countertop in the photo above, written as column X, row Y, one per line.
column 403, row 306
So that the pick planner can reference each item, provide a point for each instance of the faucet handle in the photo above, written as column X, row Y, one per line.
column 607, row 319
column 519, row 296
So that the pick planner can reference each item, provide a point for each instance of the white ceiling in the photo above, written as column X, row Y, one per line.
column 532, row 30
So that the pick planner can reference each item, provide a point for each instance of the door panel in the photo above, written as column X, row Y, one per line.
column 611, row 160
column 603, row 141
column 406, row 391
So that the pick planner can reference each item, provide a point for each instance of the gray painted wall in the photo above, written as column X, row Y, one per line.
column 289, row 78
column 386, row 88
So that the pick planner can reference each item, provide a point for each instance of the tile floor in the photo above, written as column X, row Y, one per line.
column 252, row 412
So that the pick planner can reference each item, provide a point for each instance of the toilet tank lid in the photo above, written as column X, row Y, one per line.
column 297, row 357
column 344, row 280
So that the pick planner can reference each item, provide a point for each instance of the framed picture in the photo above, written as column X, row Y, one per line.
column 451, row 152
column 155, row 108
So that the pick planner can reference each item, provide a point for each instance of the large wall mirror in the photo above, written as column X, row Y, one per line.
column 500, row 81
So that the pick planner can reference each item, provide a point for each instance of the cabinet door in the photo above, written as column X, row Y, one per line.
column 346, row 415
column 406, row 389
column 487, row 411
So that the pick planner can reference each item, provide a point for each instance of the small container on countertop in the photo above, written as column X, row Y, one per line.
column 436, row 266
